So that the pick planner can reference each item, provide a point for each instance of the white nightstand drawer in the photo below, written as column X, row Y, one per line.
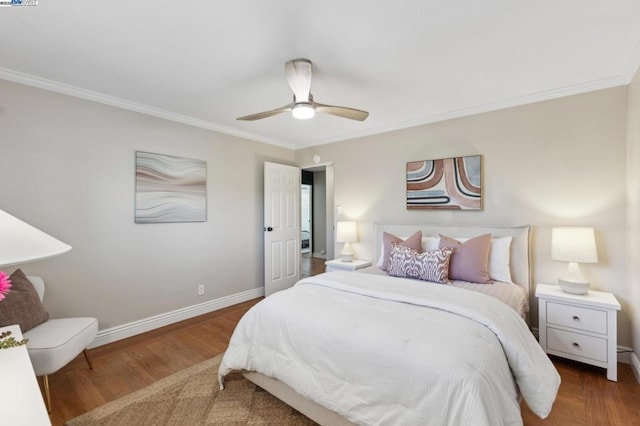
column 577, row 344
column 586, row 319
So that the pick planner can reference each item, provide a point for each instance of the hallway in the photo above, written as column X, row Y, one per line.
column 310, row 266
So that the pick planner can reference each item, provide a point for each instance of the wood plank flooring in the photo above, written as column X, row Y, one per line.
column 586, row 397
column 310, row 266
column 131, row 364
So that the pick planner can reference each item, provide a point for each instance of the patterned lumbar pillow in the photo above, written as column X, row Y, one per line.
column 432, row 265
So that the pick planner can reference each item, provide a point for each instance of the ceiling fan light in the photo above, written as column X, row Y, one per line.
column 303, row 111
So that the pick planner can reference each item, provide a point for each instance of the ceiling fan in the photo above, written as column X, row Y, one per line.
column 298, row 72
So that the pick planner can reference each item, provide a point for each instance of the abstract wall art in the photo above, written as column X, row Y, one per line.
column 449, row 184
column 170, row 189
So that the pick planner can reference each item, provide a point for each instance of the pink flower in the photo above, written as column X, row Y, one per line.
column 5, row 284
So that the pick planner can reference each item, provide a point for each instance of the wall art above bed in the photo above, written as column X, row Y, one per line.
column 448, row 183
column 170, row 189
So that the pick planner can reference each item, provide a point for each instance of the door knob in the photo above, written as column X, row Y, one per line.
column 268, row 229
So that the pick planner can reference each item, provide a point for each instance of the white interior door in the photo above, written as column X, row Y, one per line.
column 281, row 227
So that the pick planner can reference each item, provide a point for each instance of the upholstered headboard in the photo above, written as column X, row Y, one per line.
column 520, row 261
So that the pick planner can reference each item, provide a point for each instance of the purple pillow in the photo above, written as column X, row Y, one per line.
column 432, row 265
column 413, row 241
column 469, row 261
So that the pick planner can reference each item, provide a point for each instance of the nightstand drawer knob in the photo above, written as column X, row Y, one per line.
column 576, row 318
column 576, row 345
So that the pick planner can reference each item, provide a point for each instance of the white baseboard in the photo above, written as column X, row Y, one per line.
column 123, row 331
column 624, row 354
column 635, row 366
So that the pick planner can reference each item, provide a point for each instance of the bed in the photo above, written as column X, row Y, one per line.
column 367, row 348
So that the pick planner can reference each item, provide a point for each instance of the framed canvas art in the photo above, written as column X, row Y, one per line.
column 449, row 183
column 170, row 189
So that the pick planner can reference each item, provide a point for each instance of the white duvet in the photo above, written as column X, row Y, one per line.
column 380, row 350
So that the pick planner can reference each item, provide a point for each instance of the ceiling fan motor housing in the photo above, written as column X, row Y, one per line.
column 298, row 73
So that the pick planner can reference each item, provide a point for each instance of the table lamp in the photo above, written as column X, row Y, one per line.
column 574, row 245
column 346, row 233
column 21, row 242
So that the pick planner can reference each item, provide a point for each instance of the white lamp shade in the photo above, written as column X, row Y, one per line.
column 574, row 245
column 21, row 242
column 346, row 232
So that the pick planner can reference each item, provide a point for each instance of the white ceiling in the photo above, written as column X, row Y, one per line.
column 407, row 62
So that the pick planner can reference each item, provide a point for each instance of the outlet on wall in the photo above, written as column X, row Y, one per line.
column 201, row 290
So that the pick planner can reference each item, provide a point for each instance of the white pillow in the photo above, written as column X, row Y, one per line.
column 428, row 243
column 499, row 258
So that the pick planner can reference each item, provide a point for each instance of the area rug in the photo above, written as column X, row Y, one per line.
column 192, row 397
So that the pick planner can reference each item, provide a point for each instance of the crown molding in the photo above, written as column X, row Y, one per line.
column 66, row 89
column 546, row 95
column 633, row 63
column 620, row 80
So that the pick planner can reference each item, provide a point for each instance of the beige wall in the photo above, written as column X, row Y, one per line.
column 67, row 167
column 560, row 162
column 633, row 210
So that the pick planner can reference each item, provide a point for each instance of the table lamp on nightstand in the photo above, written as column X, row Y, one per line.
column 574, row 245
column 347, row 233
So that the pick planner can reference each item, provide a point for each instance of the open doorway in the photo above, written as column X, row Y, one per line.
column 320, row 216
column 306, row 217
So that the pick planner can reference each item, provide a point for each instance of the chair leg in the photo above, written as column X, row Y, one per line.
column 45, row 381
column 86, row 355
column 47, row 393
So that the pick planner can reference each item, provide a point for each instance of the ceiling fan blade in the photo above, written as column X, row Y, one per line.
column 298, row 73
column 340, row 111
column 266, row 114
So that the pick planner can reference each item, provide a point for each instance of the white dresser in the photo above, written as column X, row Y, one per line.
column 21, row 402
column 579, row 327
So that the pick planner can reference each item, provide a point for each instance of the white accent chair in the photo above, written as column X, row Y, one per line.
column 54, row 343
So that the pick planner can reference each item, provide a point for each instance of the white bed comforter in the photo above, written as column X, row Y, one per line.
column 380, row 350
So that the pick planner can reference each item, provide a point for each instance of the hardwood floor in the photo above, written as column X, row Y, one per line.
column 131, row 364
column 310, row 266
column 586, row 397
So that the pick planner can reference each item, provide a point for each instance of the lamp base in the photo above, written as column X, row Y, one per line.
column 346, row 257
column 574, row 287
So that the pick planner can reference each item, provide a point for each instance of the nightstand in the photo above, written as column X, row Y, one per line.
column 579, row 327
column 19, row 392
column 339, row 265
